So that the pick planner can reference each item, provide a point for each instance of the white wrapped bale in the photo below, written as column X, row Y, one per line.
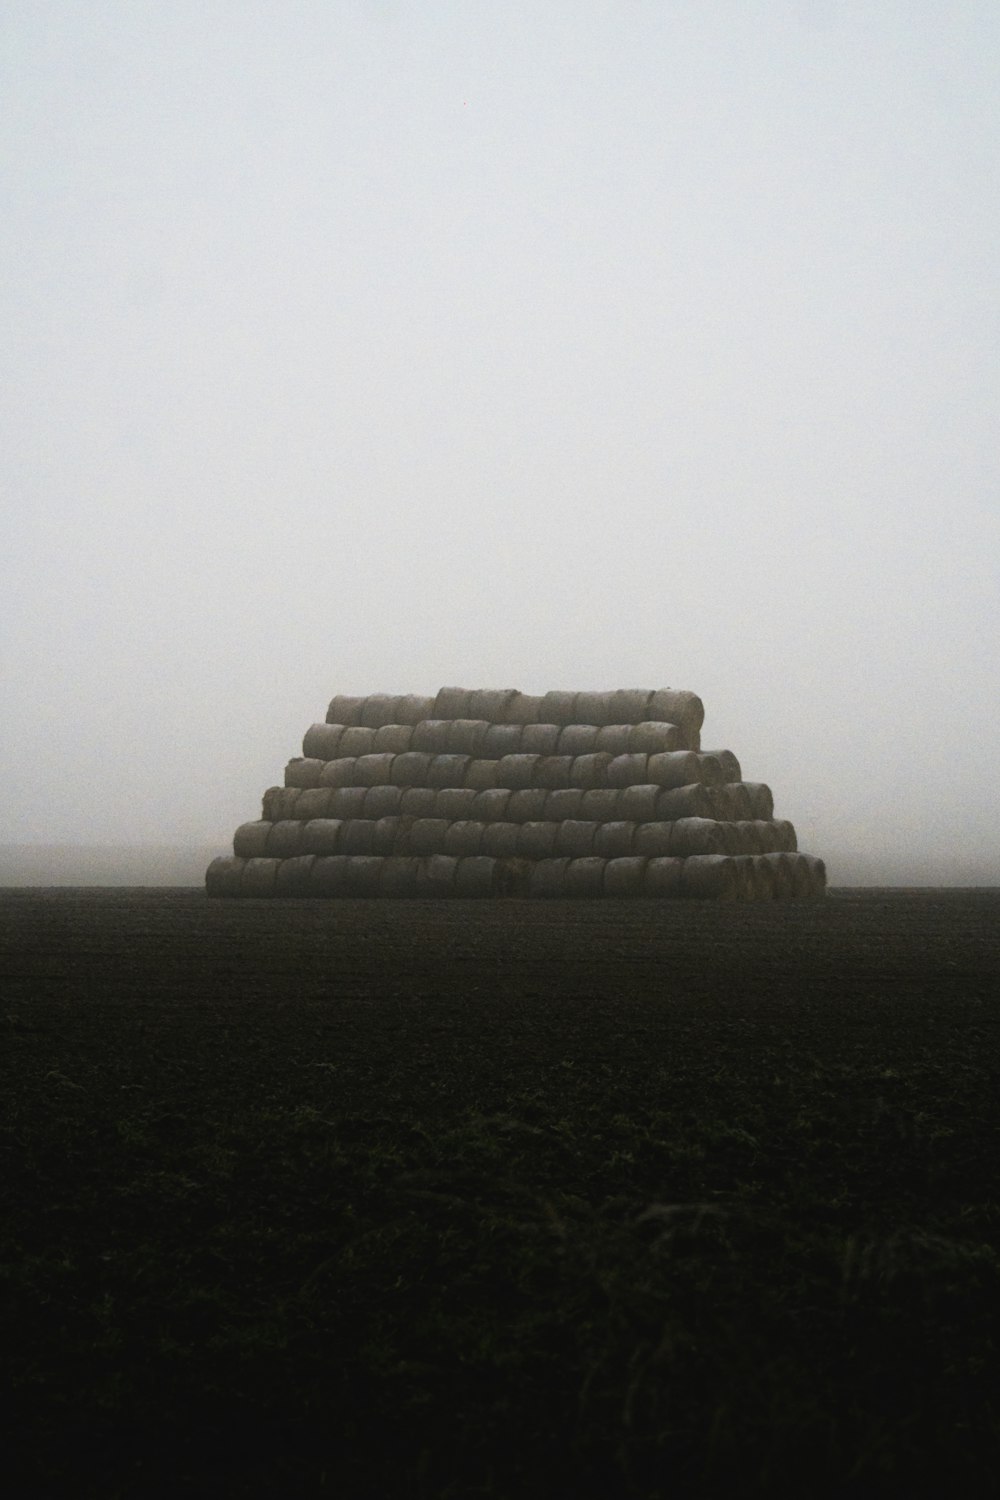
column 653, row 840
column 357, row 836
column 448, row 771
column 625, row 876
column 564, row 803
column 347, row 802
column 761, row 800
column 344, row 710
column 258, row 877
column 654, row 738
column 250, row 839
column 638, row 804
column 590, row 772
column 539, row 739
column 490, row 806
column 376, row 769
column 418, row 802
column 475, row 877
column 463, row 838
column 285, row 840
column 592, row 708
column 363, row 876
column 710, row 877
column 577, row 739
column 517, row 771
column 527, row 805
column 557, row 708
column 662, row 877
column 575, row 837
column 398, row 876
column 321, row 836
column 328, row 876
column 224, row 876
column 614, row 840
column 614, row 739
column 584, row 877
column 357, row 740
column 320, row 741
column 627, row 770
column 522, row 708
column 490, row 704
column 675, row 706
column 500, row 840
column 340, row 772
column 697, row 836
column 730, row 765
column 432, row 736
column 537, row 840
column 684, row 802
column 630, row 706
column 292, row 878
column 393, row 737
column 481, row 775
column 381, row 801
column 553, row 771
column 302, row 772
column 314, row 802
column 426, row 836
column 436, row 876
column 452, row 703
column 598, row 804
column 466, row 736
column 410, row 768
column 456, row 802
column 548, row 878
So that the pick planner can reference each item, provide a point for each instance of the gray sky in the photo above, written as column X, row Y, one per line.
column 373, row 346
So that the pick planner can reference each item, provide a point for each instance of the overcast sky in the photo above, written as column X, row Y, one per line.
column 373, row 345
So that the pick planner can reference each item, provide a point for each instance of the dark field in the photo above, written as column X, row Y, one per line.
column 500, row 1199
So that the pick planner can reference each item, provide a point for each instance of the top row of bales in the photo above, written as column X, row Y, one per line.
column 508, row 706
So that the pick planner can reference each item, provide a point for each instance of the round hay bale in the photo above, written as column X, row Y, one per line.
column 394, row 738
column 614, row 840
column 338, row 772
column 490, row 806
column 375, row 770
column 784, row 832
column 293, row 874
column 250, row 839
column 592, row 708
column 585, row 877
column 279, row 802
column 746, row 880
column 411, row 708
column 346, row 802
column 399, row 876
column 539, row 739
column 466, row 737
column 447, row 771
column 490, row 704
column 590, row 772
column 629, row 706
column 764, row 878
column 355, row 741
column 527, row 806
column 456, row 802
column 627, row 770
column 653, row 840
column 302, row 772
column 654, row 738
column 284, row 840
column 564, row 803
column 312, row 803
column 662, row 877
column 553, row 771
column 675, row 706
column 224, row 876
column 475, row 877
column 321, row 836
column 426, row 835
column 517, row 771
column 357, row 836
column 463, row 837
column 684, row 802
column 691, row 836
column 344, row 710
column 387, row 834
column 709, row 769
column 481, row 775
column 501, row 739
column 431, row 736
column 258, row 877
column 328, row 876
column 436, row 876
column 817, row 875
column 753, row 837
column 598, row 804
column 710, row 877
column 548, row 878
column 537, row 840
column 557, row 708
column 522, row 708
column 410, row 768
column 781, row 873
column 614, row 739
column 575, row 837
column 577, row 739
column 382, row 801
column 733, row 802
column 673, row 768
column 452, row 703
column 513, row 877
column 638, row 804
column 418, row 802
column 321, row 740
column 363, row 876
column 500, row 840
column 379, row 709
column 761, row 800
column 625, row 876
column 727, row 760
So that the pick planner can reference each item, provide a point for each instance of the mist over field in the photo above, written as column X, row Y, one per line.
column 358, row 347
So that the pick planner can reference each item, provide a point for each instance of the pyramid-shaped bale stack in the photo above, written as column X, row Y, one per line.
column 494, row 792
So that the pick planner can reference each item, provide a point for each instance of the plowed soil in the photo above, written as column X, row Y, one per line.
column 500, row 1199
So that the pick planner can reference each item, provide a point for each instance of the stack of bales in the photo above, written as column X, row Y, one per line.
column 496, row 792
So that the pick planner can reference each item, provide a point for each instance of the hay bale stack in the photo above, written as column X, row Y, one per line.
column 250, row 839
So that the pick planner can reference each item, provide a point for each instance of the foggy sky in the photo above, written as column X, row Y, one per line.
column 374, row 346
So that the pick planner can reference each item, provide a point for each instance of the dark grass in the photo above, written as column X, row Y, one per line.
column 500, row 1200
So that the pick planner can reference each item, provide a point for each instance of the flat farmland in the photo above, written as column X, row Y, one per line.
column 499, row 1199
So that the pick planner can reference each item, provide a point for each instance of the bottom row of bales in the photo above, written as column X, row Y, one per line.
column 718, row 877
